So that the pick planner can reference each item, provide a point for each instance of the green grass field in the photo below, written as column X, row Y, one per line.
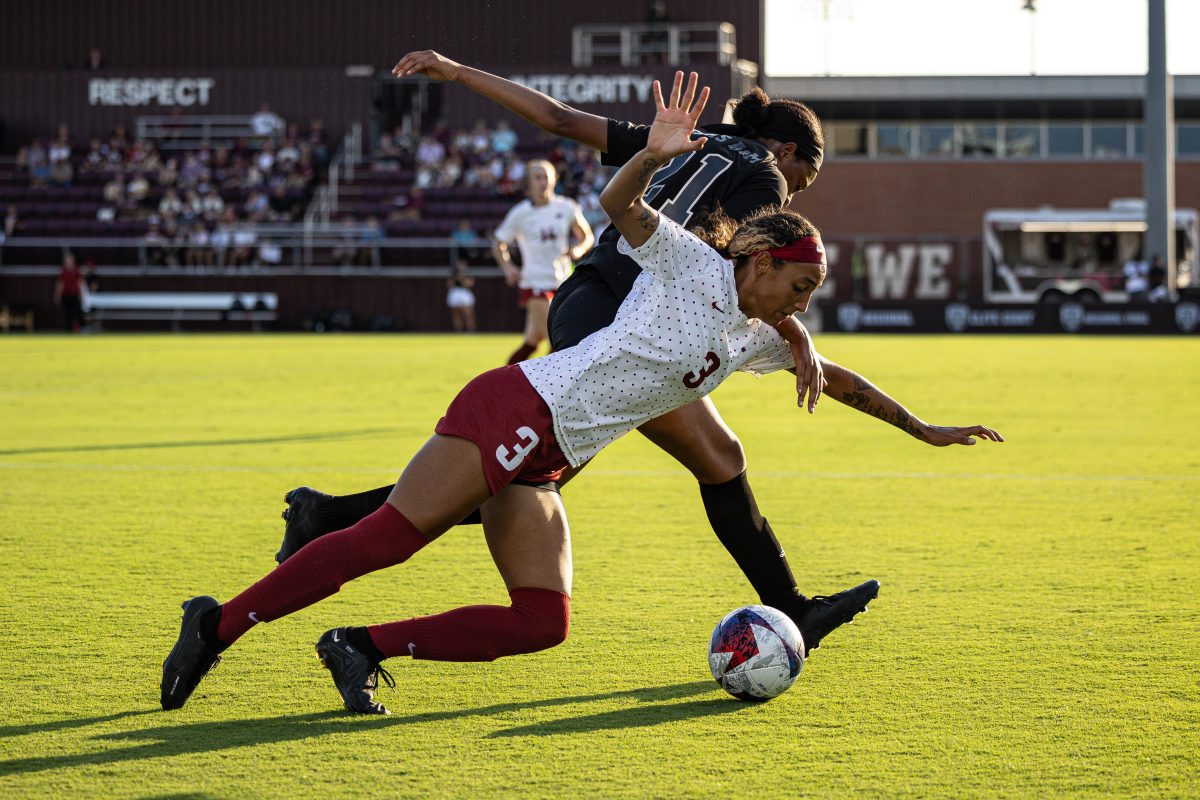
column 1037, row 634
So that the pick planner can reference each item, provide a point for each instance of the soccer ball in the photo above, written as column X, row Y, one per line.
column 756, row 653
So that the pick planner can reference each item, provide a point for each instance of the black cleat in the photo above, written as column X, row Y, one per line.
column 355, row 676
column 302, row 526
column 191, row 658
column 822, row 615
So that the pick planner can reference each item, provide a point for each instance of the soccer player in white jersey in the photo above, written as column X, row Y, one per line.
column 543, row 226
column 691, row 320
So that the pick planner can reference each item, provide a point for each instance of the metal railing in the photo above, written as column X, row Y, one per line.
column 676, row 42
column 301, row 250
column 325, row 200
column 190, row 132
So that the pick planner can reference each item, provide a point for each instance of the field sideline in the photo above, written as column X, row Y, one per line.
column 1037, row 633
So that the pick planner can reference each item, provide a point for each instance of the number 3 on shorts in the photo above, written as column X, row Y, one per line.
column 521, row 449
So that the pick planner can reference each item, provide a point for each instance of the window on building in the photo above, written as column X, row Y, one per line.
column 1139, row 141
column 1064, row 140
column 1109, row 141
column 1187, row 140
column 980, row 140
column 848, row 139
column 894, row 140
column 1022, row 141
column 936, row 140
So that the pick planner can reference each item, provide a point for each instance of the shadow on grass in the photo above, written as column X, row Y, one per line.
column 205, row 737
column 304, row 437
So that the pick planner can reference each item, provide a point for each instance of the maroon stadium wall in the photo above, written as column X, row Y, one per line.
column 231, row 34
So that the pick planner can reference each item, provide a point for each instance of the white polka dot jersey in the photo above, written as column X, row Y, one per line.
column 543, row 233
column 676, row 336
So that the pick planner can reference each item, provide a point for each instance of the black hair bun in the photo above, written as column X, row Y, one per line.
column 752, row 110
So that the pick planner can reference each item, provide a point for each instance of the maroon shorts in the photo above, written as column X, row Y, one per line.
column 510, row 423
column 530, row 294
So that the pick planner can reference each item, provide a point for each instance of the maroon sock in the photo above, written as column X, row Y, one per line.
column 379, row 540
column 536, row 620
column 521, row 353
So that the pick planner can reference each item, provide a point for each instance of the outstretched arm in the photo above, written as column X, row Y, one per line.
column 857, row 392
column 542, row 110
column 670, row 135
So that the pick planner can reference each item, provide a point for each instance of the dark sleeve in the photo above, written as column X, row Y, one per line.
column 624, row 141
column 765, row 188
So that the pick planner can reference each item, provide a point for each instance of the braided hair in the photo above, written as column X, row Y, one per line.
column 765, row 230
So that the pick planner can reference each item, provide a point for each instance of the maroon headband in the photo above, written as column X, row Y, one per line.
column 805, row 250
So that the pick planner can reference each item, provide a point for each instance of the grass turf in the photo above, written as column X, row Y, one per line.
column 1036, row 634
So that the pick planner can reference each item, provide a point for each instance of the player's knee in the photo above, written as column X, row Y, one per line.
column 724, row 459
column 546, row 615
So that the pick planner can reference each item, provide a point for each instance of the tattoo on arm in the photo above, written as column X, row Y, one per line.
column 869, row 400
column 648, row 219
column 649, row 167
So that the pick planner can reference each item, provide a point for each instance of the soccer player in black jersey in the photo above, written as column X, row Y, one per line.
column 773, row 150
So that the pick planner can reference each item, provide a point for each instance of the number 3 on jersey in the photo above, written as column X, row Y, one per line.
column 520, row 451
column 679, row 208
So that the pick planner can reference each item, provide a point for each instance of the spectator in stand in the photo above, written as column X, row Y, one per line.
column 451, row 171
column 265, row 160
column 257, row 206
column 460, row 298
column 222, row 237
column 504, row 138
column 154, row 243
column 119, row 138
column 62, row 173
column 387, row 154
column 193, row 207
column 93, row 159
column 1137, row 279
column 319, row 139
column 266, row 122
column 170, row 204
column 212, row 205
column 282, row 204
column 464, row 237
column 1157, row 282
column 481, row 137
column 114, row 190
column 12, row 222
column 198, row 254
column 168, row 173
column 430, row 153
column 408, row 205
column 36, row 161
column 95, row 60
column 137, row 190
column 305, row 171
column 60, row 148
column 68, row 293
column 287, row 156
column 175, row 237
column 346, row 253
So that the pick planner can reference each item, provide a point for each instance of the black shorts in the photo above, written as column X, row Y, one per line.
column 584, row 304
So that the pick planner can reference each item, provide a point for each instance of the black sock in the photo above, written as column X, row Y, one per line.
column 362, row 640
column 340, row 512
column 208, row 630
column 748, row 537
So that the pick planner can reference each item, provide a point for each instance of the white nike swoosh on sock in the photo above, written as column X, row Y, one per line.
column 412, row 649
column 254, row 617
column 335, row 636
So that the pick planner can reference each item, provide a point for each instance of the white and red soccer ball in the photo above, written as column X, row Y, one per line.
column 756, row 653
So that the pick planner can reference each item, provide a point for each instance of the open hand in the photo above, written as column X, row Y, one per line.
column 943, row 435
column 671, row 132
column 427, row 63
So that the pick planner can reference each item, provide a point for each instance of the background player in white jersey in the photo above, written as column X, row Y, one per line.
column 691, row 319
column 543, row 225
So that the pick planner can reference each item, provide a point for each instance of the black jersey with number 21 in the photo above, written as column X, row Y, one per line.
column 738, row 174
